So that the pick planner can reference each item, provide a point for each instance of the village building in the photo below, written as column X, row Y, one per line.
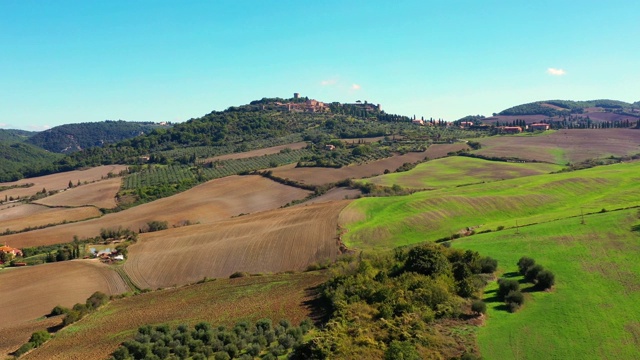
column 417, row 121
column 9, row 250
column 329, row 147
column 465, row 124
column 511, row 129
column 539, row 126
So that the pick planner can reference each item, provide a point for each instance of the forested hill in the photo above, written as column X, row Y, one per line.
column 559, row 107
column 229, row 130
column 13, row 135
column 74, row 137
column 19, row 160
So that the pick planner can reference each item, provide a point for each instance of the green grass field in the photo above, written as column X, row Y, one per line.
column 592, row 313
column 431, row 215
column 460, row 170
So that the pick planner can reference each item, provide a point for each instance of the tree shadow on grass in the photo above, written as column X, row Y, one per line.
column 511, row 274
column 319, row 308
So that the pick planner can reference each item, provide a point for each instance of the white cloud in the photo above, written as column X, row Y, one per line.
column 328, row 82
column 39, row 127
column 3, row 125
column 356, row 87
column 556, row 72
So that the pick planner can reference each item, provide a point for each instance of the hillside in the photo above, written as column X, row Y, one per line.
column 19, row 160
column 569, row 114
column 13, row 135
column 75, row 137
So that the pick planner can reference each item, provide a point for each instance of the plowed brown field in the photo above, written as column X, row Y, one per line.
column 21, row 216
column 101, row 194
column 206, row 203
column 59, row 181
column 259, row 152
column 273, row 241
column 31, row 292
column 319, row 176
column 12, row 338
column 437, row 151
column 573, row 145
column 221, row 302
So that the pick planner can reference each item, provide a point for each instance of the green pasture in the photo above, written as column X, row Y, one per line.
column 594, row 310
column 460, row 170
column 431, row 215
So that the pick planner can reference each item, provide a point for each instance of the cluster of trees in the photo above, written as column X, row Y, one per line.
column 535, row 273
column 79, row 310
column 383, row 303
column 509, row 289
column 263, row 340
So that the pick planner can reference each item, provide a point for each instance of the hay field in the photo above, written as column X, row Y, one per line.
column 460, row 170
column 12, row 338
column 258, row 152
column 431, row 215
column 31, row 292
column 320, row 176
column 562, row 146
column 21, row 216
column 206, row 203
column 101, row 194
column 334, row 194
column 593, row 311
column 220, row 302
column 60, row 181
column 268, row 242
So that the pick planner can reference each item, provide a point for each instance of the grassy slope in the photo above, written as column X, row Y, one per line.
column 430, row 215
column 593, row 312
column 459, row 170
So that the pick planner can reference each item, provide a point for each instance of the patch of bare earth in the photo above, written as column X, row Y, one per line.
column 101, row 194
column 31, row 292
column 320, row 176
column 334, row 195
column 221, row 302
column 206, row 203
column 268, row 242
column 437, row 151
column 258, row 152
column 60, row 181
column 12, row 339
column 22, row 216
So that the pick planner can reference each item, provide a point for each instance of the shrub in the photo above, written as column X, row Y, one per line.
column 479, row 307
column 545, row 279
column 427, row 260
column 401, row 350
column 239, row 274
column 39, row 337
column 59, row 310
column 525, row 263
column 532, row 272
column 221, row 355
column 97, row 299
column 514, row 300
column 505, row 286
column 23, row 349
column 488, row 265
column 157, row 225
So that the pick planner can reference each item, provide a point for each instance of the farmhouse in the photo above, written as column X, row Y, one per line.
column 417, row 121
column 465, row 124
column 9, row 250
column 511, row 129
column 329, row 147
column 539, row 126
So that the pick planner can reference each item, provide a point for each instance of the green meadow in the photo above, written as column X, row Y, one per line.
column 592, row 313
column 432, row 215
column 460, row 170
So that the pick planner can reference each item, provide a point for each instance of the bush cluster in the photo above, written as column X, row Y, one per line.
column 37, row 338
column 386, row 301
column 78, row 311
column 535, row 273
column 244, row 341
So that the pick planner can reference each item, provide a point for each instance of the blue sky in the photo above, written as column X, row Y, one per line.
column 83, row 61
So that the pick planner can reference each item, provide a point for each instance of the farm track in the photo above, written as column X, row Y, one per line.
column 267, row 242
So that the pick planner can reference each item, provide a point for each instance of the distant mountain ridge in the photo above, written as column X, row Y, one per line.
column 14, row 135
column 75, row 137
column 558, row 107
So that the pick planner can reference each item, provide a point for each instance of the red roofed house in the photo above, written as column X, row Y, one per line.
column 9, row 250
